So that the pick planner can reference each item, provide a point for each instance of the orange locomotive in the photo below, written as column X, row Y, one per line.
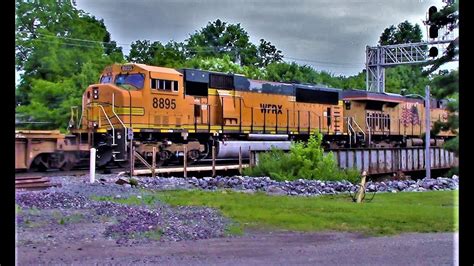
column 173, row 109
column 170, row 109
column 390, row 120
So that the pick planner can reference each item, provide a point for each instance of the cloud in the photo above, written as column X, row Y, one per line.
column 335, row 31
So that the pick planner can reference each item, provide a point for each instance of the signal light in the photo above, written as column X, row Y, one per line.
column 431, row 11
column 433, row 52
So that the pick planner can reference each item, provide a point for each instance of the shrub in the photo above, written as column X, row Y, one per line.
column 304, row 160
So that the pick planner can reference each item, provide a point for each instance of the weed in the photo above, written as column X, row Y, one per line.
column 305, row 160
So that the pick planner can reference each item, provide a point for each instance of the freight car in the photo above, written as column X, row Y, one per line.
column 46, row 149
column 172, row 109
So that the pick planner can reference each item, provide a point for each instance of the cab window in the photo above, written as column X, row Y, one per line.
column 106, row 79
column 130, row 81
column 164, row 85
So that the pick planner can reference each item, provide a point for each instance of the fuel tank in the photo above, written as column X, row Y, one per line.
column 230, row 149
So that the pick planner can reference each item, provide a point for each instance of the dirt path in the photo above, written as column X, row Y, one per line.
column 255, row 248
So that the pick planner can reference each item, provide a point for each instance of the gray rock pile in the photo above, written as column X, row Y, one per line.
column 164, row 222
column 299, row 187
column 51, row 200
column 171, row 224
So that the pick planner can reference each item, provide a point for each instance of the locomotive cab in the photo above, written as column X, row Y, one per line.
column 133, row 98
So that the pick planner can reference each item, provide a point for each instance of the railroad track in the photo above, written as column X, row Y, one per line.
column 174, row 169
column 36, row 182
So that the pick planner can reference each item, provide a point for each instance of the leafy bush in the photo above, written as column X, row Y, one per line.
column 305, row 160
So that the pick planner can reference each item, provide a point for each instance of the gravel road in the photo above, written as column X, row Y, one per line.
column 257, row 248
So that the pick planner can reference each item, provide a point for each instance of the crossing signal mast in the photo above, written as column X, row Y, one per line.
column 377, row 58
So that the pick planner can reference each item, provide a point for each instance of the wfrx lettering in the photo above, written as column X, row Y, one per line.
column 271, row 108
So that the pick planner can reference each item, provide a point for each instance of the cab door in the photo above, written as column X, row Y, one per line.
column 201, row 111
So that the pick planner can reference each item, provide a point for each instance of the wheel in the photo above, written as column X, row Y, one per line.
column 41, row 163
column 69, row 161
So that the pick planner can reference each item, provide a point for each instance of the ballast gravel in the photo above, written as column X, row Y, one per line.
column 160, row 221
column 300, row 187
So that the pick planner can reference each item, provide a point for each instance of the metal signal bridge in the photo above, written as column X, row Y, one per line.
column 379, row 57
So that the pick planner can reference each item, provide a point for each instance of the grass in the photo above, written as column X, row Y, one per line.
column 67, row 219
column 153, row 234
column 388, row 213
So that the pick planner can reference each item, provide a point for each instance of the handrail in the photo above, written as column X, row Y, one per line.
column 369, row 130
column 80, row 120
column 113, row 110
column 351, row 129
column 361, row 130
column 110, row 123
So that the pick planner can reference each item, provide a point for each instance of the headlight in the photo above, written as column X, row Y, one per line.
column 95, row 93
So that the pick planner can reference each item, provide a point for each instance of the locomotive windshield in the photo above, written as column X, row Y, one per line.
column 130, row 81
column 106, row 79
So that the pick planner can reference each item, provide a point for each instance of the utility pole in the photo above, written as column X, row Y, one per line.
column 427, row 132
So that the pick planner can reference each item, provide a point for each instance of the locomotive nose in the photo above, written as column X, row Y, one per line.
column 104, row 93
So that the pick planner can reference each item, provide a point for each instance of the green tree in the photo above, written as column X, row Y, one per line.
column 409, row 79
column 219, row 38
column 355, row 82
column 60, row 50
column 406, row 77
column 405, row 32
column 226, row 65
column 141, row 52
column 172, row 54
column 445, row 85
column 268, row 53
column 294, row 73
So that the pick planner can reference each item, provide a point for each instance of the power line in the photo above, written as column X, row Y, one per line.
column 323, row 62
column 196, row 49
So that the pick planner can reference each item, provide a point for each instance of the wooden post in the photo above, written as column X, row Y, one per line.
column 213, row 161
column 361, row 192
column 185, row 162
column 153, row 163
column 250, row 157
column 240, row 160
column 132, row 160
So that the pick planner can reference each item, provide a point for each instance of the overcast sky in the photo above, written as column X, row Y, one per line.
column 330, row 34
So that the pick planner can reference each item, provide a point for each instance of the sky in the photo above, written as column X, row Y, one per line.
column 328, row 35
